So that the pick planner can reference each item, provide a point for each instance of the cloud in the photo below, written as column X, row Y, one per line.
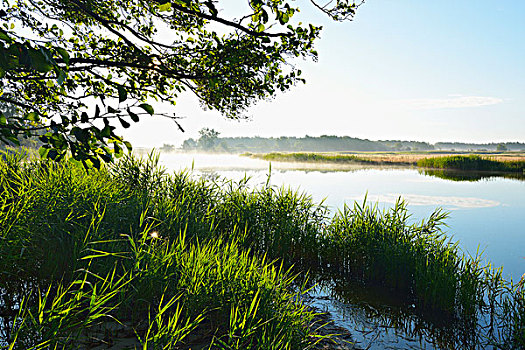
column 451, row 102
column 441, row 201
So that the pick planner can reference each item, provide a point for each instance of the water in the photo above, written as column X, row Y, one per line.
column 487, row 215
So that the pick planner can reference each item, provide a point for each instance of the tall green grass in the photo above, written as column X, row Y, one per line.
column 88, row 256
column 471, row 162
column 133, row 254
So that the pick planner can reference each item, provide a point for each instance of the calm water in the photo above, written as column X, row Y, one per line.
column 488, row 214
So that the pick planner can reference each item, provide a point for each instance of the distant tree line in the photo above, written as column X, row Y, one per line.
column 209, row 140
column 494, row 146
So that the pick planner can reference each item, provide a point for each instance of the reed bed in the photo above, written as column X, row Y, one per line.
column 124, row 256
column 472, row 162
column 132, row 255
column 505, row 163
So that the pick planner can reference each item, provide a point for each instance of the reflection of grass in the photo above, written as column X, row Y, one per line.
column 174, row 260
column 417, row 263
column 473, row 176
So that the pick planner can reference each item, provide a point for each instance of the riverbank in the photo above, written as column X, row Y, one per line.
column 186, row 261
column 494, row 162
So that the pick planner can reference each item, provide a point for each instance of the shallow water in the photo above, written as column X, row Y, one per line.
column 486, row 213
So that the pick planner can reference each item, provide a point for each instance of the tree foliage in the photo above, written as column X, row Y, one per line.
column 208, row 138
column 73, row 69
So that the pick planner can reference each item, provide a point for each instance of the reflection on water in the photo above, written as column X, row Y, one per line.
column 451, row 202
column 382, row 320
column 458, row 175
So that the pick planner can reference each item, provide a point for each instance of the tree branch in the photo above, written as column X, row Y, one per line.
column 229, row 23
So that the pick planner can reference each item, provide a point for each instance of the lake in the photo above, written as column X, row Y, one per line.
column 486, row 213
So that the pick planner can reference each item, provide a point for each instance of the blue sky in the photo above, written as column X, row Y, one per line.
column 413, row 69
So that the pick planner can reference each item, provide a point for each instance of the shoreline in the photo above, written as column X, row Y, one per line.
column 421, row 161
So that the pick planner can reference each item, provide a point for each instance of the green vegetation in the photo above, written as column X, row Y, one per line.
column 131, row 254
column 472, row 162
column 447, row 163
column 87, row 256
column 209, row 140
column 482, row 147
column 335, row 158
column 324, row 143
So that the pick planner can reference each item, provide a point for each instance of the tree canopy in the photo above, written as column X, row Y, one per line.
column 70, row 70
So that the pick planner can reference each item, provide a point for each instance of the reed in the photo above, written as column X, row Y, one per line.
column 130, row 253
column 472, row 162
column 92, row 257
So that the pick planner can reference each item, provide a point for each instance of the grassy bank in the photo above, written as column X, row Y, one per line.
column 330, row 158
column 500, row 163
column 132, row 255
column 472, row 162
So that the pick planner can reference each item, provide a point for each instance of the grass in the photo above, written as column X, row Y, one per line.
column 472, row 162
column 332, row 158
column 88, row 255
column 130, row 254
column 490, row 163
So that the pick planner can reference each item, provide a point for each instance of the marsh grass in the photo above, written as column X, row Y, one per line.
column 135, row 255
column 88, row 255
column 338, row 158
column 472, row 162
column 512, row 163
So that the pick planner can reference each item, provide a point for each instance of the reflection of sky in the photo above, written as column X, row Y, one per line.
column 448, row 202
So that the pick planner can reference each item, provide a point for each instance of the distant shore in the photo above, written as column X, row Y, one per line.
column 476, row 161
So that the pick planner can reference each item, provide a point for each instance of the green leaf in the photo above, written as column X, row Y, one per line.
column 5, row 37
column 147, row 108
column 61, row 77
column 122, row 93
column 95, row 161
column 128, row 146
column 106, row 131
column 117, row 149
column 63, row 53
column 112, row 110
column 124, row 123
column 39, row 61
column 32, row 116
column 133, row 116
column 84, row 117
column 165, row 7
column 3, row 119
column 42, row 151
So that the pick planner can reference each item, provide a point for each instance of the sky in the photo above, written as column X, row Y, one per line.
column 419, row 70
